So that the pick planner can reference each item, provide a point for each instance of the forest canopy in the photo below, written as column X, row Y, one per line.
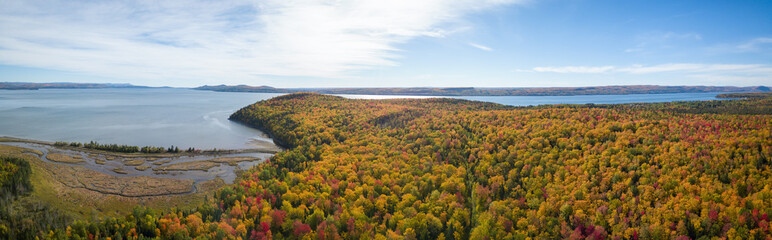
column 458, row 169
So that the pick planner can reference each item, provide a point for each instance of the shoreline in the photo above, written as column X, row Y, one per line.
column 223, row 163
column 276, row 141
column 261, row 149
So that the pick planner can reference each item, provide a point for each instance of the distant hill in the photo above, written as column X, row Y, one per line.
column 36, row 86
column 469, row 91
column 241, row 88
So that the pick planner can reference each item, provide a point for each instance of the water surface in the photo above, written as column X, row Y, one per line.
column 191, row 118
column 579, row 99
column 595, row 99
column 138, row 117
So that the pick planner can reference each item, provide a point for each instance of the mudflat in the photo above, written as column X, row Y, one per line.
column 187, row 166
column 233, row 160
column 137, row 186
column 62, row 158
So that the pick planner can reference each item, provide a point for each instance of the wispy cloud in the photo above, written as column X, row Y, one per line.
column 688, row 67
column 650, row 41
column 481, row 47
column 740, row 73
column 669, row 67
column 688, row 36
column 574, row 69
column 657, row 37
column 748, row 47
column 755, row 44
column 632, row 50
column 221, row 40
column 731, row 79
column 747, row 74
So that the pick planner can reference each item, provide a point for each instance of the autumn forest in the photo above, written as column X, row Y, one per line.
column 458, row 169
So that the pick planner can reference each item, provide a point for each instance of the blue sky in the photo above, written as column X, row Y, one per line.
column 428, row 43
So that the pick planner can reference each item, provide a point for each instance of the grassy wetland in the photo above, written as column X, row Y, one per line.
column 70, row 183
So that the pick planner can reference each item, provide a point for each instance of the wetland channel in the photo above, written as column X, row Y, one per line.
column 115, row 173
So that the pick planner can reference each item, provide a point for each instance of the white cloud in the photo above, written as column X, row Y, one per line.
column 660, row 37
column 574, row 69
column 688, row 67
column 655, row 41
column 737, row 80
column 669, row 67
column 632, row 50
column 672, row 35
column 221, row 41
column 710, row 74
column 755, row 44
column 481, row 47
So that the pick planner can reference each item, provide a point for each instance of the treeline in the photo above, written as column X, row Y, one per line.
column 123, row 148
column 753, row 104
column 14, row 177
column 14, row 182
column 745, row 95
column 23, row 216
column 456, row 169
column 171, row 149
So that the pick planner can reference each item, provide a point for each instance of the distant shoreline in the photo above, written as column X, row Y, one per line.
column 421, row 91
column 470, row 91
column 63, row 85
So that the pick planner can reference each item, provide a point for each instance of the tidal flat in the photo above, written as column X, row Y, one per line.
column 85, row 181
column 63, row 158
column 199, row 166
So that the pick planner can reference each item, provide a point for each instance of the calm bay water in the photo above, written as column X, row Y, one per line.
column 139, row 117
column 189, row 118
column 581, row 99
column 596, row 99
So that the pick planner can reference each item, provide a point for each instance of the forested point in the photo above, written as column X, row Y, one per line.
column 752, row 104
column 458, row 169
column 746, row 95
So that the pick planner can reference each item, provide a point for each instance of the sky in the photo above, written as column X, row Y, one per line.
column 395, row 43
